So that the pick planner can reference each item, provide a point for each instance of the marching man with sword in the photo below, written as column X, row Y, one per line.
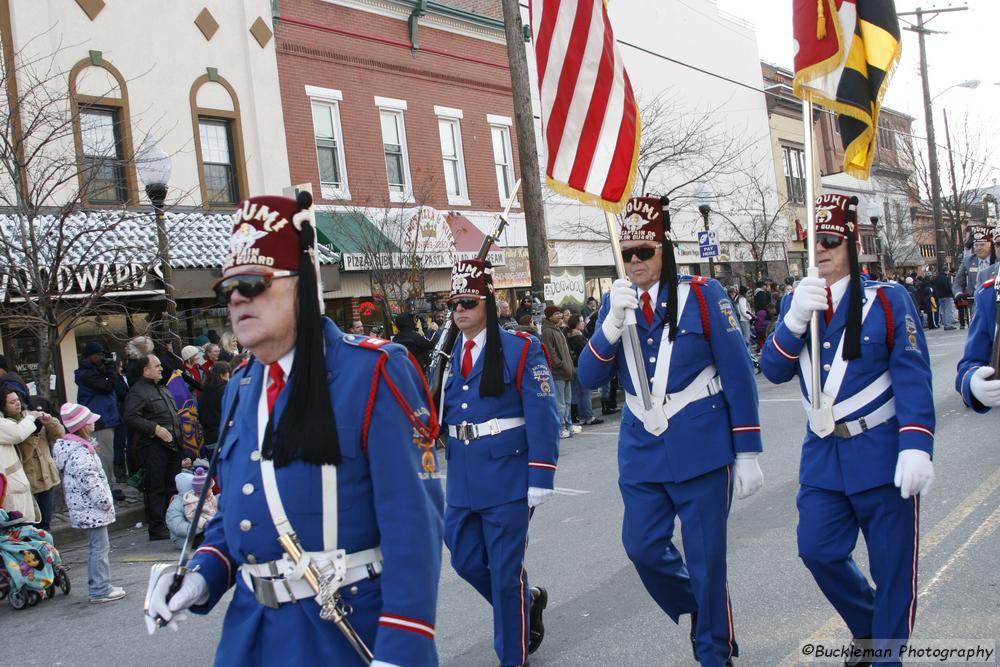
column 331, row 506
column 699, row 438
column 866, row 458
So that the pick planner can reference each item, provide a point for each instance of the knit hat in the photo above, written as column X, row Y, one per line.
column 75, row 416
column 93, row 347
column 199, row 479
column 184, row 481
column 190, row 352
column 552, row 310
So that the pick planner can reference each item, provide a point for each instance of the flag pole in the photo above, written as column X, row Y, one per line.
column 630, row 327
column 813, row 272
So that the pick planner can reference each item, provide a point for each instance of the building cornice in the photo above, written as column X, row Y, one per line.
column 435, row 15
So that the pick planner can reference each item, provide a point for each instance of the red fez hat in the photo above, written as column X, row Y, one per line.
column 834, row 215
column 644, row 220
column 470, row 279
column 265, row 236
column 981, row 233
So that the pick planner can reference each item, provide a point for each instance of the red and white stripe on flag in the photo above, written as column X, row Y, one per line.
column 590, row 121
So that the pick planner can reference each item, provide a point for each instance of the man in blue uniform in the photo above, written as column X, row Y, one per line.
column 866, row 457
column 678, row 458
column 499, row 409
column 302, row 454
column 975, row 370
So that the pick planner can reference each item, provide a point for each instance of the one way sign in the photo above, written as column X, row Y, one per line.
column 708, row 244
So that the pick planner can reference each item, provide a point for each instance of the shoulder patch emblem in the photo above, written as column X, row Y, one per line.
column 911, row 334
column 726, row 307
column 543, row 377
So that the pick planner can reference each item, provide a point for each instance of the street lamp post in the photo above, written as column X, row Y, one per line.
column 873, row 217
column 154, row 169
column 705, row 209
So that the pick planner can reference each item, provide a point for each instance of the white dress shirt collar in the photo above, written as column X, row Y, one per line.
column 654, row 292
column 480, row 342
column 838, row 289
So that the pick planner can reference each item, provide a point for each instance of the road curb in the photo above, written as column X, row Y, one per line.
column 65, row 535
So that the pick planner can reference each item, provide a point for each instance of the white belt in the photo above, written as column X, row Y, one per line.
column 466, row 431
column 698, row 389
column 868, row 422
column 277, row 582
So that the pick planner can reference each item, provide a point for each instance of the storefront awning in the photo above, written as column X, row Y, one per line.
column 351, row 232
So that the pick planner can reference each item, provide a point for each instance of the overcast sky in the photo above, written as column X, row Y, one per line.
column 968, row 51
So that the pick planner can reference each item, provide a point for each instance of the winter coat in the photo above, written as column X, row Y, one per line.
column 18, row 497
column 555, row 341
column 577, row 342
column 147, row 406
column 88, row 495
column 210, row 412
column 415, row 344
column 97, row 392
column 181, row 511
column 36, row 456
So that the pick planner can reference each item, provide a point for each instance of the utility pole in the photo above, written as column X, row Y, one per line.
column 524, row 121
column 932, row 161
column 956, row 230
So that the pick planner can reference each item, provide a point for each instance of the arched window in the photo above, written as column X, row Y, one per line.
column 218, row 141
column 102, row 133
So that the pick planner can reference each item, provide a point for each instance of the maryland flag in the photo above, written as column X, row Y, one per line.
column 590, row 120
column 192, row 437
column 846, row 51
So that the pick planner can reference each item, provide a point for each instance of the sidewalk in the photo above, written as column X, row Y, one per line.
column 128, row 512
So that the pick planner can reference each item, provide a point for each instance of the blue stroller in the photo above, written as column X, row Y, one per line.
column 32, row 567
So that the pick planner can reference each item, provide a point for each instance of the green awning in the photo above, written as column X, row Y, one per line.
column 351, row 232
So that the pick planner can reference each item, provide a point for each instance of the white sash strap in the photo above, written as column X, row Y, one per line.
column 706, row 383
column 662, row 373
column 868, row 422
column 467, row 431
column 859, row 400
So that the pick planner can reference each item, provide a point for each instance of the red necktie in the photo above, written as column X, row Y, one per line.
column 828, row 315
column 277, row 384
column 647, row 310
column 467, row 358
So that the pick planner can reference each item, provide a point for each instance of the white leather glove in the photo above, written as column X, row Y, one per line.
column 380, row 663
column 985, row 390
column 748, row 477
column 537, row 496
column 809, row 296
column 914, row 472
column 193, row 591
column 622, row 297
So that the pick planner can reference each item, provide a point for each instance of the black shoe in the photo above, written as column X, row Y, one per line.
column 539, row 600
column 155, row 537
column 694, row 635
column 864, row 643
column 592, row 421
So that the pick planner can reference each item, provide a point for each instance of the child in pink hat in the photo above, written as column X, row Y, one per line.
column 88, row 496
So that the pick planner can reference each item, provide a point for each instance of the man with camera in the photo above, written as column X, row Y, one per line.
column 96, row 391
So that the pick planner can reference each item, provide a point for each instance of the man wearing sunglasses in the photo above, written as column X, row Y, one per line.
column 499, row 411
column 866, row 457
column 329, row 437
column 698, row 443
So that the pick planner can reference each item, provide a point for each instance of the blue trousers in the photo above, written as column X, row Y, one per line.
column 827, row 534
column 699, row 585
column 487, row 550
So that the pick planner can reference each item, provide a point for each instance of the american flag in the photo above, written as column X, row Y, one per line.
column 590, row 121
column 846, row 53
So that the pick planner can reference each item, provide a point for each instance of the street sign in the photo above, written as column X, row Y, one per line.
column 708, row 244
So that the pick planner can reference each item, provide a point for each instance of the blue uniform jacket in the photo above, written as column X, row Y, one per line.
column 498, row 469
column 979, row 344
column 386, row 497
column 706, row 434
column 867, row 460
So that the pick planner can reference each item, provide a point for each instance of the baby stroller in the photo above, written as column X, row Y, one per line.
column 32, row 567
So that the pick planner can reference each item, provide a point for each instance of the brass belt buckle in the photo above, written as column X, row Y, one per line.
column 494, row 426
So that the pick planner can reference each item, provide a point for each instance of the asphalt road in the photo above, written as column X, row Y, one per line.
column 599, row 613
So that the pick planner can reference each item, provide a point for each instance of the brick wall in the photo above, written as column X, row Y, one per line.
column 366, row 55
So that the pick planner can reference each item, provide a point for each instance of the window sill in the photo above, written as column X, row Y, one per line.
column 401, row 198
column 516, row 204
column 458, row 201
column 327, row 192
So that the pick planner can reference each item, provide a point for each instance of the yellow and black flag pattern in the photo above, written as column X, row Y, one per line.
column 846, row 53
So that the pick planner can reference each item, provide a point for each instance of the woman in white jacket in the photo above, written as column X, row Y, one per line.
column 13, row 432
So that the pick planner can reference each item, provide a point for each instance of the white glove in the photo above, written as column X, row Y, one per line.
column 537, row 496
column 193, row 591
column 748, row 478
column 914, row 472
column 985, row 390
column 622, row 297
column 380, row 663
column 809, row 296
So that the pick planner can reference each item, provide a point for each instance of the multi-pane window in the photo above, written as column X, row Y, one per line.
column 217, row 161
column 103, row 169
column 452, row 157
column 326, row 145
column 394, row 148
column 795, row 181
column 503, row 160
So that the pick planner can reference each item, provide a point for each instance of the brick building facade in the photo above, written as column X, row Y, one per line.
column 397, row 116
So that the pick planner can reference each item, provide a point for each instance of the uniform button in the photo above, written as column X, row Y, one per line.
column 652, row 360
column 255, row 455
column 826, row 367
column 465, row 405
column 867, row 339
column 349, row 337
column 684, row 330
column 353, row 590
column 649, row 341
column 247, row 489
column 245, row 525
column 251, row 559
column 826, row 345
column 465, row 387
